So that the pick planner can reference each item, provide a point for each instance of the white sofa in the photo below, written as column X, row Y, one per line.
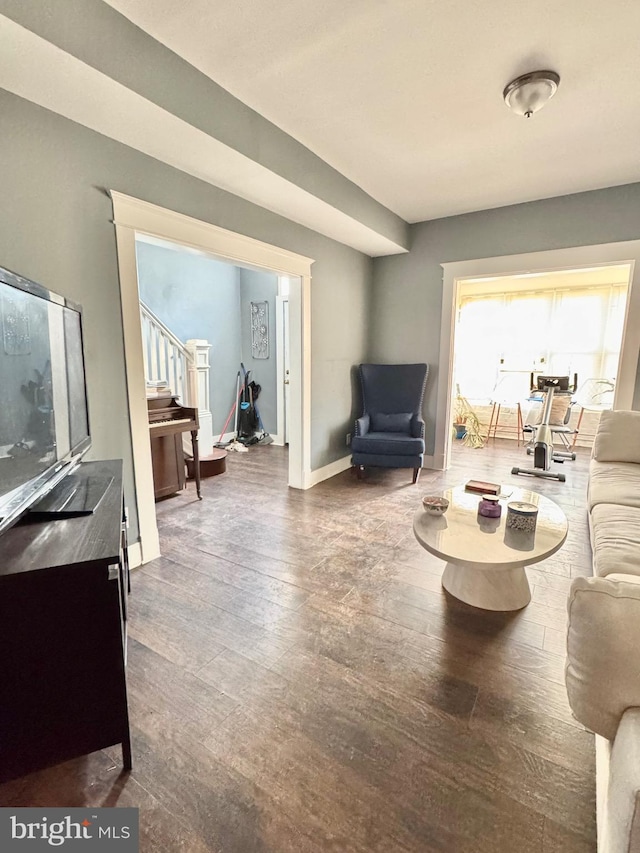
column 603, row 637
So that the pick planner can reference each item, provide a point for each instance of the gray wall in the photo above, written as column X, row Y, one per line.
column 258, row 286
column 407, row 291
column 197, row 297
column 57, row 229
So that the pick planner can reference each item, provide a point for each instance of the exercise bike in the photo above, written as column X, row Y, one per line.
column 542, row 444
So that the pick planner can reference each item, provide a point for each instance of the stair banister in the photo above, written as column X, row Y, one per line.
column 184, row 368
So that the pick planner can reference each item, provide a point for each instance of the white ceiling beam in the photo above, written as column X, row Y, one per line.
column 44, row 74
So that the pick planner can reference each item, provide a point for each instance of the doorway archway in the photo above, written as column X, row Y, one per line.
column 605, row 254
column 131, row 216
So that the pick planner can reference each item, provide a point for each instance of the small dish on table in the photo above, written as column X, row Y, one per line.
column 435, row 504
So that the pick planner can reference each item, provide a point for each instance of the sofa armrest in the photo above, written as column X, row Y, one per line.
column 417, row 427
column 362, row 425
column 603, row 665
column 619, row 824
column 618, row 437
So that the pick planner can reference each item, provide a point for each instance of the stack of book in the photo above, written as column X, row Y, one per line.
column 482, row 488
column 158, row 388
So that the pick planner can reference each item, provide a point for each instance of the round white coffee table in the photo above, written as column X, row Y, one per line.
column 485, row 559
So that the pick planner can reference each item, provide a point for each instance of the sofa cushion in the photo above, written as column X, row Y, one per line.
column 615, row 576
column 603, row 664
column 618, row 437
column 396, row 422
column 394, row 443
column 615, row 538
column 621, row 828
column 614, row 483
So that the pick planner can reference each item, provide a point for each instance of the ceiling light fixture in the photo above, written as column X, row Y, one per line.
column 529, row 93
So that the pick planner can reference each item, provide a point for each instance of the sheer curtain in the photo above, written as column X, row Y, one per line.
column 555, row 331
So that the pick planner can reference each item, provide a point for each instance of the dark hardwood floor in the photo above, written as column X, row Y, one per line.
column 299, row 681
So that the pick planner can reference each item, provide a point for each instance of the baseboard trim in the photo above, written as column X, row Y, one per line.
column 312, row 478
column 340, row 465
column 228, row 436
column 436, row 463
column 135, row 555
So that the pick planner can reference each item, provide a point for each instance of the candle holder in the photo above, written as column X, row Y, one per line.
column 522, row 517
column 519, row 540
column 489, row 507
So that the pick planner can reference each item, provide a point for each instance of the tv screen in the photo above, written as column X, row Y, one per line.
column 44, row 424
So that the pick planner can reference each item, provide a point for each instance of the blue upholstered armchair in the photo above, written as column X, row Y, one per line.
column 390, row 432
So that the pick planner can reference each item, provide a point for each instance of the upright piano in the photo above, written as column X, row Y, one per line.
column 168, row 420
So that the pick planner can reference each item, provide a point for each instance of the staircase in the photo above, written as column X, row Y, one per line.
column 166, row 359
column 183, row 367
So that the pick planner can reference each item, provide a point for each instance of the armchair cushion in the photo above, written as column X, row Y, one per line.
column 417, row 426
column 394, row 422
column 362, row 425
column 392, row 443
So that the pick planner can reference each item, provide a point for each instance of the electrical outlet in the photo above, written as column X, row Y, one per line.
column 348, row 439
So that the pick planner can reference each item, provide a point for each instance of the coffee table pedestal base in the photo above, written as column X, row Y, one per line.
column 487, row 586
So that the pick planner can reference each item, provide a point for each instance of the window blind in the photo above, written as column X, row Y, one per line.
column 557, row 331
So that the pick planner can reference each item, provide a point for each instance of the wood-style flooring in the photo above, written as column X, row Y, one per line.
column 299, row 681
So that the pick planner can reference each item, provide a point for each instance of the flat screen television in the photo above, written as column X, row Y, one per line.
column 44, row 421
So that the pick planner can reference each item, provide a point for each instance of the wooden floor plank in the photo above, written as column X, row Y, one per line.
column 299, row 681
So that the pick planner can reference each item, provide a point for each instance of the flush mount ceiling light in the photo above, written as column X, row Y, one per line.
column 527, row 94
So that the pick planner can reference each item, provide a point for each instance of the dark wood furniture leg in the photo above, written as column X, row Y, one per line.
column 196, row 460
column 416, row 475
column 127, row 762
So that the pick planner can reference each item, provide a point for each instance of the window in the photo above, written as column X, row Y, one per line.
column 557, row 331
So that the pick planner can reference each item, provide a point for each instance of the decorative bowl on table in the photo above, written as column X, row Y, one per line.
column 435, row 504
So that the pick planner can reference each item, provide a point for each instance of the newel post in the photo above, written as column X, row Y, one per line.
column 198, row 380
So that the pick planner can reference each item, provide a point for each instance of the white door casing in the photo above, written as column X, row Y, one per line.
column 131, row 216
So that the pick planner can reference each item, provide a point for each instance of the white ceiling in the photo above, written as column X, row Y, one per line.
column 45, row 74
column 405, row 97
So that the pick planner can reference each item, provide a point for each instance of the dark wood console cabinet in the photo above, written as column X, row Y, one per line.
column 63, row 635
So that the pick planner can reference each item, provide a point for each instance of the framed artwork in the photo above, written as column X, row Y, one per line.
column 260, row 329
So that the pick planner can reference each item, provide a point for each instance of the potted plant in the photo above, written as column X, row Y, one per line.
column 466, row 424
